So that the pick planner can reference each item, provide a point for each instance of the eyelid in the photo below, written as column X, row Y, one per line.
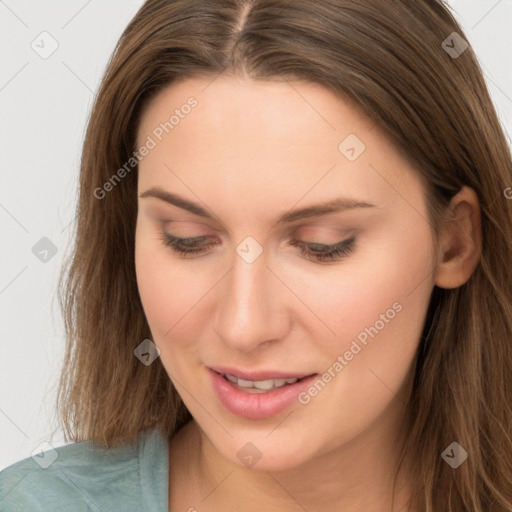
column 189, row 226
column 321, row 253
column 199, row 238
column 187, row 239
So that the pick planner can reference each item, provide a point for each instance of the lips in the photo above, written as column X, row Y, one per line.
column 247, row 404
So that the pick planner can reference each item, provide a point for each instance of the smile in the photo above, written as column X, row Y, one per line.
column 257, row 399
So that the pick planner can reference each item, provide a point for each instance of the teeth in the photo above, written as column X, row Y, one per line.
column 232, row 378
column 259, row 384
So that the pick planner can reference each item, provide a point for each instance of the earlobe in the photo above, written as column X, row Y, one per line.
column 460, row 243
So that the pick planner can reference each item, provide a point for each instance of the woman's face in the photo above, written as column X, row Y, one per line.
column 262, row 294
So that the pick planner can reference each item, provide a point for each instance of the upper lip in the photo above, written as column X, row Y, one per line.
column 260, row 374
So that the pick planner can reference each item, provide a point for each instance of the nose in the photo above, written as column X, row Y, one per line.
column 250, row 308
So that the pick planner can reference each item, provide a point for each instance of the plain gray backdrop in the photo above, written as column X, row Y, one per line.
column 45, row 101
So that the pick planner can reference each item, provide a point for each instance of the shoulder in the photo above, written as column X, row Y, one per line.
column 85, row 476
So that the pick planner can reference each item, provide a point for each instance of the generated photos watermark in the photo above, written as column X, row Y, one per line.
column 344, row 359
column 158, row 133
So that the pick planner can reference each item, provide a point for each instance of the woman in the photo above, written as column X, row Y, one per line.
column 291, row 284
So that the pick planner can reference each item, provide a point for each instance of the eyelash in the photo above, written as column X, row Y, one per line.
column 186, row 246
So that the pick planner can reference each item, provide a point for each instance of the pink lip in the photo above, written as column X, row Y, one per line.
column 257, row 406
column 260, row 375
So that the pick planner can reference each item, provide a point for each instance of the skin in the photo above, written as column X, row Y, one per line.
column 249, row 152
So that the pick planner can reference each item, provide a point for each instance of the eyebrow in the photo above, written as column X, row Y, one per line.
column 333, row 206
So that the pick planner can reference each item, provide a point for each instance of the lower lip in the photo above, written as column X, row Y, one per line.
column 257, row 406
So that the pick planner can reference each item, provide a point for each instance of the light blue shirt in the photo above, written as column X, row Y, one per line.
column 88, row 478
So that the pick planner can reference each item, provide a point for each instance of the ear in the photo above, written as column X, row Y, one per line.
column 460, row 240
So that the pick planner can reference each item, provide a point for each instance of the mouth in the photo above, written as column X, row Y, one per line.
column 260, row 386
column 259, row 375
column 258, row 399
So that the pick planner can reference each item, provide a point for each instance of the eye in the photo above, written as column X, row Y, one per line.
column 320, row 252
column 324, row 252
column 184, row 246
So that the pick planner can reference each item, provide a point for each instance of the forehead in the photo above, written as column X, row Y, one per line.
column 243, row 109
column 275, row 141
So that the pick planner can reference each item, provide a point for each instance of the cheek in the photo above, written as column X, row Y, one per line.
column 394, row 267
column 374, row 306
column 166, row 288
column 376, row 309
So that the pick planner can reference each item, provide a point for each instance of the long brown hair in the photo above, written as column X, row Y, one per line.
column 391, row 60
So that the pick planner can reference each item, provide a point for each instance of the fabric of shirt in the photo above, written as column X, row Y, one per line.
column 86, row 477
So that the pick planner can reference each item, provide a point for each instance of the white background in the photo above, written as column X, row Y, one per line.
column 44, row 108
